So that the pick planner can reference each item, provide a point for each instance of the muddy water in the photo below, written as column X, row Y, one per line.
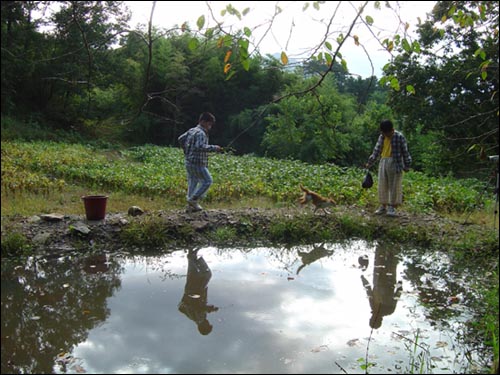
column 327, row 308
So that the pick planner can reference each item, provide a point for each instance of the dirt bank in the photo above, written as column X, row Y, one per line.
column 176, row 229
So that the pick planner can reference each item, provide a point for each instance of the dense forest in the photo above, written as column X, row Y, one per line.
column 79, row 72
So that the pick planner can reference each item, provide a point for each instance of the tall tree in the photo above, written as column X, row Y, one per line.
column 449, row 86
column 84, row 34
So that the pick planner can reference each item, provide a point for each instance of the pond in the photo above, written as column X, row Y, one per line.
column 354, row 307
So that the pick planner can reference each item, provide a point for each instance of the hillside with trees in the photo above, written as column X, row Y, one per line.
column 80, row 71
column 90, row 103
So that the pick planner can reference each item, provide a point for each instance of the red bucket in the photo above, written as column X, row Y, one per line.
column 95, row 206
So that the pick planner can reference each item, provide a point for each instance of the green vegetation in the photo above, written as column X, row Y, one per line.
column 14, row 244
column 53, row 176
column 158, row 172
column 149, row 230
column 95, row 77
column 73, row 96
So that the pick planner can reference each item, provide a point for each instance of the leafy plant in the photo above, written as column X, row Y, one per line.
column 159, row 171
column 14, row 243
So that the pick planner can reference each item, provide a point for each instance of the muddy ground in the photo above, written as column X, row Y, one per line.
column 59, row 232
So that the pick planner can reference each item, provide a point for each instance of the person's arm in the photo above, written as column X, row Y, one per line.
column 367, row 286
column 201, row 143
column 406, row 155
column 211, row 308
column 376, row 152
column 182, row 141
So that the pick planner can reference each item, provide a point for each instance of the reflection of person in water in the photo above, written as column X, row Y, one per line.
column 386, row 291
column 194, row 301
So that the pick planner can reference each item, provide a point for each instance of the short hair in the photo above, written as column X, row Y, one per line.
column 386, row 126
column 376, row 321
column 205, row 327
column 207, row 116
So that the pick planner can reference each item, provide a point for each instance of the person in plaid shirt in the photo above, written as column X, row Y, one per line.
column 194, row 142
column 395, row 158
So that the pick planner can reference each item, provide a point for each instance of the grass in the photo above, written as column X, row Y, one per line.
column 69, row 202
column 44, row 177
column 14, row 243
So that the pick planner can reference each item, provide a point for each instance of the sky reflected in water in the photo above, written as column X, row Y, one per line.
column 122, row 312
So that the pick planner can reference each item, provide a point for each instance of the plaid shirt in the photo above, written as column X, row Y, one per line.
column 194, row 142
column 400, row 152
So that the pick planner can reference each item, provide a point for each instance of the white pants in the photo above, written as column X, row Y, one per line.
column 390, row 183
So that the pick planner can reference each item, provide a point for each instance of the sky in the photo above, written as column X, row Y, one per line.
column 295, row 31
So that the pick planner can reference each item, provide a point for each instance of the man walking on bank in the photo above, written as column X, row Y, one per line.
column 194, row 142
column 395, row 158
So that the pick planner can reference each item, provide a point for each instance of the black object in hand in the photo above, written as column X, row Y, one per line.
column 367, row 181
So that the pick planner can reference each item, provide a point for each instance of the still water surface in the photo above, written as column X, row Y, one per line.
column 324, row 308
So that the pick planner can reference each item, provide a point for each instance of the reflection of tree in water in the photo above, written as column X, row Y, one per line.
column 156, row 263
column 444, row 287
column 50, row 305
column 438, row 282
column 284, row 257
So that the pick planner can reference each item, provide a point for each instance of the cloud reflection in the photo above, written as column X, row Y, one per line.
column 267, row 322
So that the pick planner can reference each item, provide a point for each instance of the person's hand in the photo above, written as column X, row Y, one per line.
column 218, row 148
column 212, row 308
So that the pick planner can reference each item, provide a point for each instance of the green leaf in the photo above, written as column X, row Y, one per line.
column 395, row 84
column 201, row 22
column 406, row 45
column 329, row 58
column 193, row 44
column 245, row 63
column 390, row 46
column 328, row 46
column 243, row 43
column 209, row 33
column 416, row 46
column 247, row 32
column 233, row 11
column 228, row 77
column 471, row 148
column 410, row 89
column 344, row 64
column 369, row 20
column 228, row 40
